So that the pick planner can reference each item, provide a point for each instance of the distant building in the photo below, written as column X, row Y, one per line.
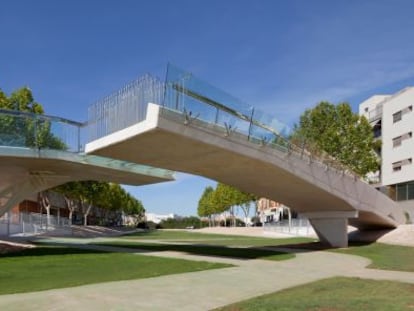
column 157, row 218
column 392, row 117
column 270, row 211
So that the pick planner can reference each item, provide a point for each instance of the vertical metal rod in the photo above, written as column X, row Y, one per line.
column 250, row 124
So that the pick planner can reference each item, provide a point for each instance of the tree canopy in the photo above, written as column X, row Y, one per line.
column 20, row 100
column 108, row 196
column 342, row 134
column 206, row 204
column 20, row 130
column 221, row 199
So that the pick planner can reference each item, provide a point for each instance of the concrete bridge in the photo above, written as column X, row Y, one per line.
column 194, row 128
column 193, row 131
column 30, row 162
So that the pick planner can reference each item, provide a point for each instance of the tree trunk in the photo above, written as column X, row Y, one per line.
column 245, row 208
column 45, row 203
column 71, row 206
column 85, row 214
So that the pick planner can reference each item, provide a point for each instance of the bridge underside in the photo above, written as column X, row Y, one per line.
column 26, row 171
column 166, row 140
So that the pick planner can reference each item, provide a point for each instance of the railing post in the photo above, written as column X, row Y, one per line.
column 79, row 139
column 250, row 124
column 35, row 132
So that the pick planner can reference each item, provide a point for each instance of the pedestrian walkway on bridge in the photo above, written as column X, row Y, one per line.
column 189, row 126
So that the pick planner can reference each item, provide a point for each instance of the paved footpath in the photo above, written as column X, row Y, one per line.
column 203, row 290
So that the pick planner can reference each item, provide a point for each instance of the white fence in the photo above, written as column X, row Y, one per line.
column 29, row 223
column 296, row 226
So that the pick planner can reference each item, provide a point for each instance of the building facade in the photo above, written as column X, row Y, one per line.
column 392, row 117
column 270, row 211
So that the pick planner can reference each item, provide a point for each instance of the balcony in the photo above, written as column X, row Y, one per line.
column 375, row 114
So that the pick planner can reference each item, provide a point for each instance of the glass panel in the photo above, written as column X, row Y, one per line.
column 410, row 191
column 397, row 116
column 20, row 129
column 183, row 89
column 186, row 93
column 402, row 192
column 124, row 107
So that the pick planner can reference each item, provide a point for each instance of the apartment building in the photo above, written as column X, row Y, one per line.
column 392, row 117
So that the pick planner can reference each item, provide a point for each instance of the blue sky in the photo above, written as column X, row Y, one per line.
column 280, row 56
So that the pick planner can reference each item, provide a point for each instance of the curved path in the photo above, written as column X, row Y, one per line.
column 202, row 290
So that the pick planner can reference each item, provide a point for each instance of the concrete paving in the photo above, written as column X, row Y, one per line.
column 203, row 290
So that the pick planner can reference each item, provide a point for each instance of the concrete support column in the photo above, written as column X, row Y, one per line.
column 331, row 227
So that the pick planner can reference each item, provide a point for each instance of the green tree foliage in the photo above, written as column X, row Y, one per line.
column 223, row 198
column 182, row 223
column 91, row 193
column 108, row 196
column 205, row 204
column 22, row 100
column 118, row 198
column 25, row 130
column 69, row 192
column 340, row 133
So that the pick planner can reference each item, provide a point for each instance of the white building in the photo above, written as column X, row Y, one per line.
column 157, row 218
column 393, row 119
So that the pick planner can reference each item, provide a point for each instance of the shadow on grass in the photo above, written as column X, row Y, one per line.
column 50, row 251
column 318, row 246
column 207, row 250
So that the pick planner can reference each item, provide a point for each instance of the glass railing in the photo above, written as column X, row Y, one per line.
column 185, row 97
column 22, row 129
column 63, row 139
column 200, row 100
column 200, row 103
column 123, row 108
column 375, row 114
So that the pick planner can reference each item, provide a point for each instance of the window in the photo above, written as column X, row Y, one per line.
column 405, row 191
column 397, row 166
column 366, row 109
column 396, row 141
column 397, row 116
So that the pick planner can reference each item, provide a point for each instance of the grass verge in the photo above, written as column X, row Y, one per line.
column 45, row 268
column 212, row 239
column 334, row 294
column 383, row 256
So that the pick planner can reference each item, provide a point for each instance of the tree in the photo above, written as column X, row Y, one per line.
column 26, row 130
column 70, row 195
column 245, row 200
column 223, row 198
column 44, row 203
column 22, row 100
column 206, row 204
column 91, row 193
column 340, row 133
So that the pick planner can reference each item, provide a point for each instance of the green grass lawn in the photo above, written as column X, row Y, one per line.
column 335, row 294
column 44, row 268
column 384, row 256
column 212, row 239
column 242, row 247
